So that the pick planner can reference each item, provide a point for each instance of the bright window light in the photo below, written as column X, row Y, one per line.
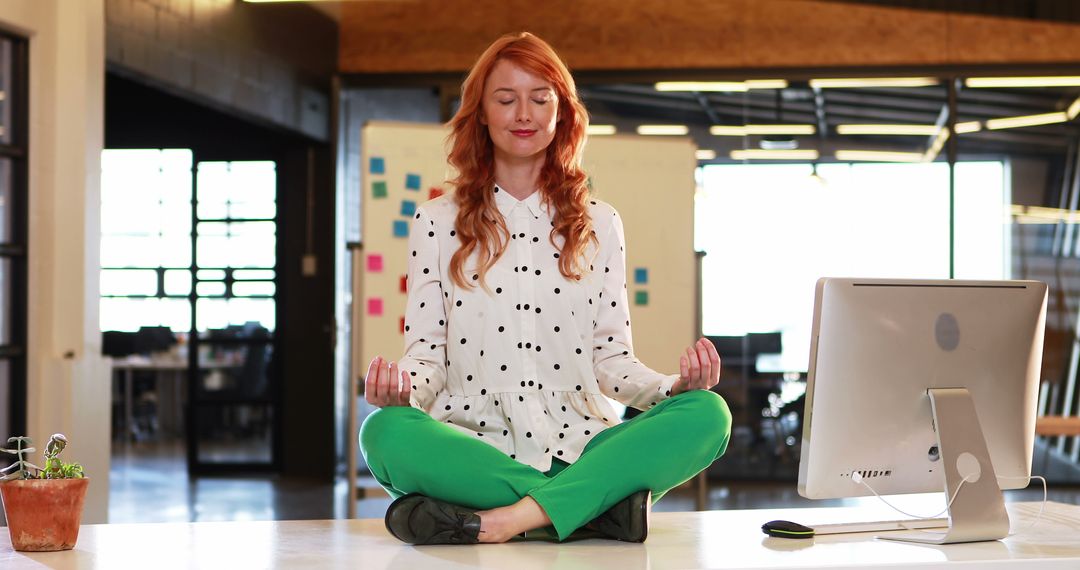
column 772, row 230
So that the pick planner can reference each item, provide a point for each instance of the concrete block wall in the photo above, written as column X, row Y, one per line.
column 272, row 63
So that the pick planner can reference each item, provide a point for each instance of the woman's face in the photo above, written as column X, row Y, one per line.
column 520, row 111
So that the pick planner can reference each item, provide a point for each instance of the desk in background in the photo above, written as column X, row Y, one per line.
column 711, row 539
column 165, row 368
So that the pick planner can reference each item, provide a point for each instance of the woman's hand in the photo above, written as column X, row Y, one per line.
column 380, row 390
column 699, row 368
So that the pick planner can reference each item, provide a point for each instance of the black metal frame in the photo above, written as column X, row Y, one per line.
column 17, row 250
column 196, row 402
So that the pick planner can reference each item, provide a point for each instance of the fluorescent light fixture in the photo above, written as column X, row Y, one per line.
column 1026, row 121
column 868, row 129
column 705, row 154
column 1041, row 215
column 600, row 130
column 721, row 86
column 662, row 130
column 878, row 156
column 1059, row 81
column 1071, row 113
column 737, row 131
column 854, row 82
column 715, row 86
column 766, row 83
column 763, row 154
column 968, row 127
column 727, row 131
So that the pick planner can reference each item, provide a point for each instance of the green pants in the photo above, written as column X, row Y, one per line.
column 409, row 452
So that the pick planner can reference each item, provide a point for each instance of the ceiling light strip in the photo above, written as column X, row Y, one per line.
column 882, row 129
column 878, row 156
column 764, row 154
column 1026, row 121
column 1055, row 81
column 663, row 130
column 600, row 130
column 721, row 86
column 743, row 130
column 857, row 82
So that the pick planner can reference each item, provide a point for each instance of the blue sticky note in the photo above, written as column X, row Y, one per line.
column 412, row 182
column 408, row 208
column 401, row 228
column 378, row 165
column 641, row 275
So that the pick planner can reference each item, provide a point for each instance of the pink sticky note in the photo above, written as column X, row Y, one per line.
column 374, row 262
column 374, row 306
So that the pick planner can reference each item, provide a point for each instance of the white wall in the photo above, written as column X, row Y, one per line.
column 69, row 388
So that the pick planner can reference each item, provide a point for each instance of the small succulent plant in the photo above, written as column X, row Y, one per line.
column 54, row 468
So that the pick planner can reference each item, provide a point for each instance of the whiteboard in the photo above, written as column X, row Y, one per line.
column 650, row 181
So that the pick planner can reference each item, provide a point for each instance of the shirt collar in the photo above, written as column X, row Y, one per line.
column 507, row 203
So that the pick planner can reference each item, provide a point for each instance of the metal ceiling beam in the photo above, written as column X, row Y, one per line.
column 709, row 112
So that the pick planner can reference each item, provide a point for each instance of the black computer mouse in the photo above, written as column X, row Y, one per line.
column 787, row 529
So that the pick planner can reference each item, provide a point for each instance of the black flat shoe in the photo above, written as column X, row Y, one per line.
column 627, row 520
column 417, row 519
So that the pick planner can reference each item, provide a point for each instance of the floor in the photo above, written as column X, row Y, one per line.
column 149, row 483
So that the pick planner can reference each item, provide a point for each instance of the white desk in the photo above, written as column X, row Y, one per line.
column 711, row 539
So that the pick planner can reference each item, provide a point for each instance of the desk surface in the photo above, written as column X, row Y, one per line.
column 711, row 539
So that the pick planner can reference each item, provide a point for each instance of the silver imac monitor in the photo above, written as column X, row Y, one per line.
column 919, row 386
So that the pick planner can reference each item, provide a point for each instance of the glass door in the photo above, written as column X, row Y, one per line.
column 234, row 392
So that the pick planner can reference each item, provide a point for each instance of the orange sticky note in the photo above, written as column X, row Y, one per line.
column 375, row 306
column 401, row 325
column 404, row 285
column 434, row 193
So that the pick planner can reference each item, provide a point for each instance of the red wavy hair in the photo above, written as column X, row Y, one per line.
column 479, row 224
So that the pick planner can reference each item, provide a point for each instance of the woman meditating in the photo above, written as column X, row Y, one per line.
column 495, row 421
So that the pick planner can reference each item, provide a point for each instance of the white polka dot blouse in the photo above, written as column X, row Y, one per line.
column 526, row 366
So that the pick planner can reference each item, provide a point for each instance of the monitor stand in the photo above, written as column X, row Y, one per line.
column 978, row 511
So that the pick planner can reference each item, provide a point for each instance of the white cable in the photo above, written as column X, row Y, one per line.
column 858, row 478
column 1042, row 507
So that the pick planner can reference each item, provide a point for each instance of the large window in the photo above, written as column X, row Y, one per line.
column 771, row 231
column 147, row 243
column 146, row 239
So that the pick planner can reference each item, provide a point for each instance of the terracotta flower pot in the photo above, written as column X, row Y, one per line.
column 44, row 514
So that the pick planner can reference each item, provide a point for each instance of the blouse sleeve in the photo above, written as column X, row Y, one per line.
column 621, row 376
column 425, row 317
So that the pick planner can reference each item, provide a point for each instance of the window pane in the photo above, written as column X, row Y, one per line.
column 5, row 397
column 220, row 313
column 6, row 56
column 210, row 288
column 210, row 275
column 247, row 288
column 178, row 282
column 811, row 223
column 120, row 314
column 175, row 314
column 7, row 201
column 234, row 433
column 254, row 274
column 128, row 282
column 5, row 300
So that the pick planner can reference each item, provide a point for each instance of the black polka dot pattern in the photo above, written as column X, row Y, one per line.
column 522, row 301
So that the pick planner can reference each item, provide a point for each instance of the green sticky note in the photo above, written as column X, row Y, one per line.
column 641, row 297
column 378, row 189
